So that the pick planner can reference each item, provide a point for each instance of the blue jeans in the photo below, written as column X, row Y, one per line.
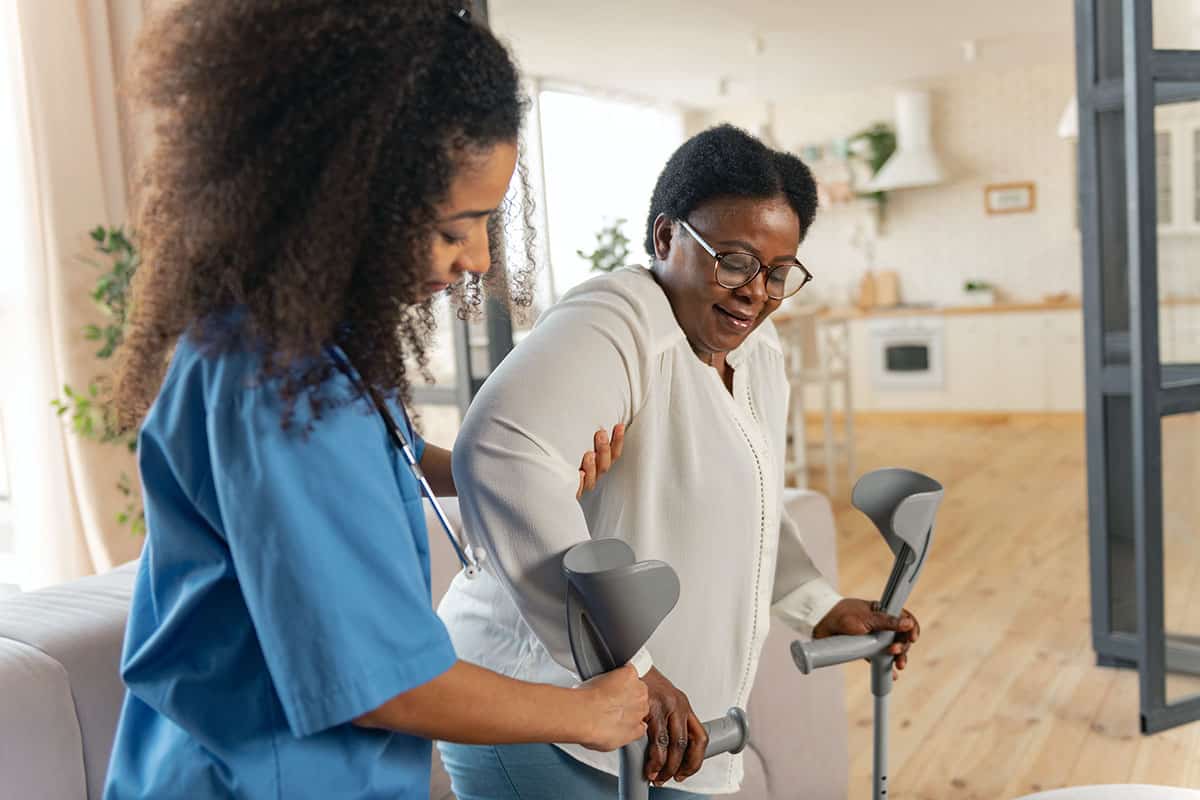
column 531, row 772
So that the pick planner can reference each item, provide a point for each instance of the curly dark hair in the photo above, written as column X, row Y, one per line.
column 301, row 148
column 726, row 161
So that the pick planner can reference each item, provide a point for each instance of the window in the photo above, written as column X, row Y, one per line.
column 1164, row 178
column 1162, row 161
column 1196, row 175
column 601, row 157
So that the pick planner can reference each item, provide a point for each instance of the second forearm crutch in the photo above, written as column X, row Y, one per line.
column 902, row 504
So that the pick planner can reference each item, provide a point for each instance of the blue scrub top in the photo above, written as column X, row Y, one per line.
column 283, row 591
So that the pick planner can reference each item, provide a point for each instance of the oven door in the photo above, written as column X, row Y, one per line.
column 907, row 354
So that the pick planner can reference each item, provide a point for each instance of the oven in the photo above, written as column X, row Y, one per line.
column 907, row 352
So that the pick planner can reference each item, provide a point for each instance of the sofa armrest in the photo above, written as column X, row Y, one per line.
column 41, row 747
column 80, row 627
column 798, row 729
column 814, row 517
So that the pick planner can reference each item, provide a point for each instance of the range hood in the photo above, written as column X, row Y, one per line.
column 914, row 163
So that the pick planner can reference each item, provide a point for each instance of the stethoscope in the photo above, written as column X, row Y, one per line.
column 470, row 560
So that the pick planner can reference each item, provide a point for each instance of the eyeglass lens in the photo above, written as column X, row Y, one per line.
column 735, row 270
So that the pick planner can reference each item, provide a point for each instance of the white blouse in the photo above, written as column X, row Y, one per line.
column 699, row 485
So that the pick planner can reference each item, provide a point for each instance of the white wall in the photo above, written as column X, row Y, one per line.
column 989, row 128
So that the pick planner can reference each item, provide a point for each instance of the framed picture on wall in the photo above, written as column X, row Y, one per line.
column 1010, row 198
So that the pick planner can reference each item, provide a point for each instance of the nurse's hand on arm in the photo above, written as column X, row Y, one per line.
column 435, row 463
column 472, row 705
column 599, row 460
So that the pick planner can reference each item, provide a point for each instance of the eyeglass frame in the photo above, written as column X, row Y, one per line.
column 717, row 256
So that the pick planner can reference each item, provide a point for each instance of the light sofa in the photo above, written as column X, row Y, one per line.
column 60, row 691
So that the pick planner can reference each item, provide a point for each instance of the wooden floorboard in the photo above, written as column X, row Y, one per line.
column 1003, row 696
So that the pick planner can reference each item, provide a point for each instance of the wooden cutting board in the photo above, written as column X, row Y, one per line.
column 866, row 291
column 887, row 289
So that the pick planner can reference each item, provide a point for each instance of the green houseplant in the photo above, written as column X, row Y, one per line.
column 978, row 293
column 88, row 410
column 612, row 248
column 874, row 145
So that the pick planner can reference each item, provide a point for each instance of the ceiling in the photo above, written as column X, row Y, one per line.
column 681, row 50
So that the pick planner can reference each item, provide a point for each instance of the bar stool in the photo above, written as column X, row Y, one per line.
column 817, row 352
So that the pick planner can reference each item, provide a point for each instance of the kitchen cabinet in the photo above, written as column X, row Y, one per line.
column 1018, row 360
column 1179, row 337
column 1021, row 361
column 1062, row 362
column 1166, row 334
column 970, row 380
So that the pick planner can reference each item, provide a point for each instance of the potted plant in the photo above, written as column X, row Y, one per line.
column 612, row 248
column 88, row 410
column 978, row 293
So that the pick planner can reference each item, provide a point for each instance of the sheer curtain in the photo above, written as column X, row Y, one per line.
column 62, row 61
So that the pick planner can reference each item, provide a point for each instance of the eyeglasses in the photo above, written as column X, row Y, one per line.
column 735, row 269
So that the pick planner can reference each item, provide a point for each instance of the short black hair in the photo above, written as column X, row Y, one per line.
column 726, row 161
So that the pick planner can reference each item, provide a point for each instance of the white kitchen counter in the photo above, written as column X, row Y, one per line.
column 1071, row 304
column 1000, row 358
column 850, row 312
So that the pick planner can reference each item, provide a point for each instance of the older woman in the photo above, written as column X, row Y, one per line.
column 681, row 352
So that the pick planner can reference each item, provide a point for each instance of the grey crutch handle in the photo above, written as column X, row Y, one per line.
column 833, row 650
column 727, row 734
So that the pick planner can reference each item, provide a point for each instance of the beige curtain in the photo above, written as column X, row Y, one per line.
column 76, row 152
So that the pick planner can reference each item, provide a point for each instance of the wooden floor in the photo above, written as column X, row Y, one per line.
column 1003, row 697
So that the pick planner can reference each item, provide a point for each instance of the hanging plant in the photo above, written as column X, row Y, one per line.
column 878, row 142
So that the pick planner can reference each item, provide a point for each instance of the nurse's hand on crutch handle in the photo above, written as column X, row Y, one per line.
column 619, row 702
column 614, row 604
column 902, row 504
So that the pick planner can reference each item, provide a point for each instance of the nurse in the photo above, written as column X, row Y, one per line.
column 321, row 171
